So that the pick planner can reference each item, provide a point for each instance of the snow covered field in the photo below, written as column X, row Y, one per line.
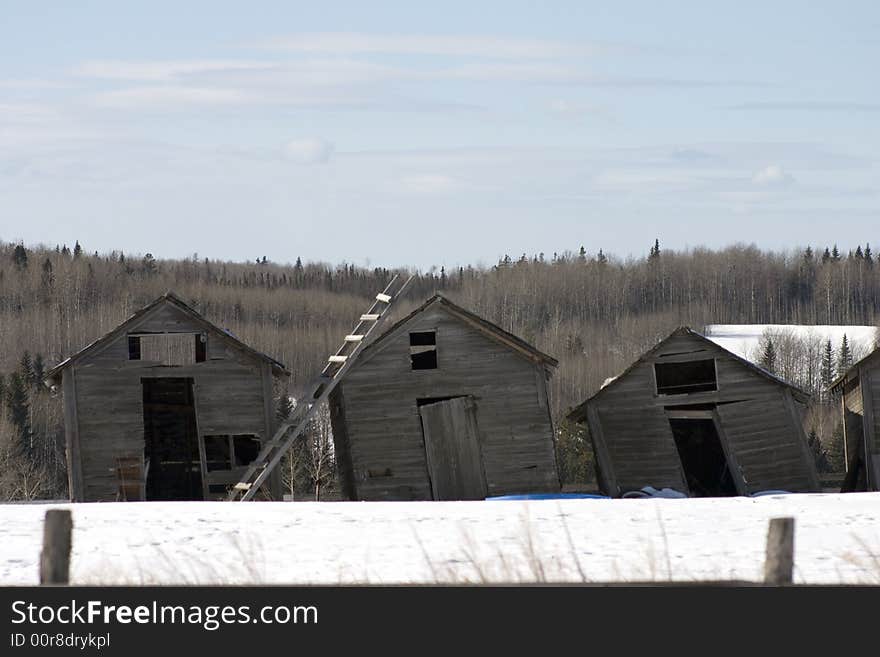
column 744, row 339
column 837, row 539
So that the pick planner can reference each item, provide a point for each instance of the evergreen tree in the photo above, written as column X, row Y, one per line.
column 859, row 255
column 835, row 254
column 655, row 250
column 869, row 256
column 574, row 454
column 844, row 356
column 39, row 368
column 65, row 251
column 835, row 454
column 826, row 371
column 20, row 256
column 284, row 407
column 601, row 258
column 26, row 367
column 149, row 264
column 77, row 250
column 826, row 255
column 582, row 255
column 820, row 455
column 18, row 412
column 808, row 254
column 768, row 355
column 48, row 277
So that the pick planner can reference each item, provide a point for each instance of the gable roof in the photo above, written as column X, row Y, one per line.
column 486, row 327
column 854, row 368
column 579, row 411
column 171, row 299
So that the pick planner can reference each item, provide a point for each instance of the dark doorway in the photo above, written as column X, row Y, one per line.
column 702, row 458
column 171, row 440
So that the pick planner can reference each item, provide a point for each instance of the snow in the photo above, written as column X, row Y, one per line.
column 744, row 339
column 423, row 542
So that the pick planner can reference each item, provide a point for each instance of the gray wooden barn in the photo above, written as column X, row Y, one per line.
column 166, row 406
column 859, row 392
column 692, row 416
column 446, row 406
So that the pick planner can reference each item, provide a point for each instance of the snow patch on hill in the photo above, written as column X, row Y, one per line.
column 744, row 339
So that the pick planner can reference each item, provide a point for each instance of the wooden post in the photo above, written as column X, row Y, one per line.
column 55, row 557
column 779, row 563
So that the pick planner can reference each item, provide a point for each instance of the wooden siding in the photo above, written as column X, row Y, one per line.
column 871, row 401
column 108, row 402
column 762, row 430
column 381, row 416
column 873, row 377
column 853, row 421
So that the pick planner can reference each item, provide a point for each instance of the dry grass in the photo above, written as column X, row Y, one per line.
column 867, row 559
column 185, row 567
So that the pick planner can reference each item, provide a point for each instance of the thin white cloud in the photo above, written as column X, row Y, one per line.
column 646, row 180
column 341, row 43
column 164, row 97
column 429, row 184
column 32, row 84
column 312, row 150
column 163, row 70
column 808, row 106
column 569, row 108
column 773, row 175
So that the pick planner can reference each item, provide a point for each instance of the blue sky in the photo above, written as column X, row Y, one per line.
column 403, row 133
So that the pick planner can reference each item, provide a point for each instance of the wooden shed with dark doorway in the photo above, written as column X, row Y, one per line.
column 692, row 416
column 167, row 406
column 445, row 406
column 859, row 392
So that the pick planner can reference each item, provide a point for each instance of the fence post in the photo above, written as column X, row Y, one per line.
column 779, row 561
column 55, row 556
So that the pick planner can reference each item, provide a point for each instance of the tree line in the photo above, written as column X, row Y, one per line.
column 595, row 312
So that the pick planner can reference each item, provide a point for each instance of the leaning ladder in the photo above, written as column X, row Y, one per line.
column 337, row 365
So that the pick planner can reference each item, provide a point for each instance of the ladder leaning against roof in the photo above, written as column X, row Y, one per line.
column 337, row 365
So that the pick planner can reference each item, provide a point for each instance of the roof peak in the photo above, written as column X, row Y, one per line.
column 174, row 298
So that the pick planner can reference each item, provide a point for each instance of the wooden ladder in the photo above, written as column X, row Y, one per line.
column 337, row 365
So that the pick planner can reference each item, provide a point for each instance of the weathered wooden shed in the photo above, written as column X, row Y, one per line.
column 692, row 416
column 167, row 406
column 859, row 392
column 446, row 406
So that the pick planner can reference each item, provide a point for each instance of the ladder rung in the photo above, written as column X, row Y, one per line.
column 242, row 486
column 384, row 298
column 353, row 338
column 370, row 317
column 338, row 359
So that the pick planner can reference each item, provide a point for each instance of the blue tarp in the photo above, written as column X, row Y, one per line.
column 551, row 496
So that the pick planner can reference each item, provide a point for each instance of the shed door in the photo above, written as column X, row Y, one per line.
column 765, row 444
column 452, row 445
